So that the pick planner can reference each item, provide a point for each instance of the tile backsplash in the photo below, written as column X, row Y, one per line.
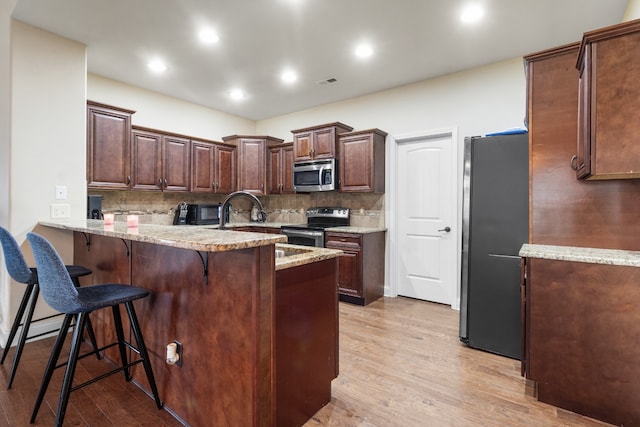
column 367, row 209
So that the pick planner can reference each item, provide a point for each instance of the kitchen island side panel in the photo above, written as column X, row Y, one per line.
column 306, row 340
column 224, row 322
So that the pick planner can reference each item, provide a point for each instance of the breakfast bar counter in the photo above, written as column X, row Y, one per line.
column 258, row 334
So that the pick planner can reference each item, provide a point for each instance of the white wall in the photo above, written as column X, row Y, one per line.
column 632, row 11
column 5, row 147
column 165, row 113
column 477, row 101
column 47, row 142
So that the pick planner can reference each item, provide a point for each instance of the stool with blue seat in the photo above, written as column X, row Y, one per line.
column 21, row 273
column 59, row 292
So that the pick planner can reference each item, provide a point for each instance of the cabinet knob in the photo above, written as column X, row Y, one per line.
column 573, row 163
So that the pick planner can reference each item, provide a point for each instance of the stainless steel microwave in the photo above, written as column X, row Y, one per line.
column 315, row 175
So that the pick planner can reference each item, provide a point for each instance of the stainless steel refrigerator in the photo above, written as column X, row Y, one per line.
column 495, row 225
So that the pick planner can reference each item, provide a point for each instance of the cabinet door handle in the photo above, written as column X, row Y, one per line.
column 160, row 182
column 446, row 229
column 572, row 162
column 165, row 182
column 128, row 179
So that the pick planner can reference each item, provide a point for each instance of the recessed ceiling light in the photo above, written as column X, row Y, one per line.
column 289, row 76
column 472, row 13
column 157, row 66
column 208, row 36
column 237, row 94
column 364, row 50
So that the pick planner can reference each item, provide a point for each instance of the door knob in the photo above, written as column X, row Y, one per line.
column 447, row 229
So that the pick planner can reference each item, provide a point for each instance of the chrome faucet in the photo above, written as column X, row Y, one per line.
column 262, row 214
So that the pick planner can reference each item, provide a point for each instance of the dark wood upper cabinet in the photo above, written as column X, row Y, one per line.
column 609, row 99
column 318, row 142
column 160, row 162
column 361, row 161
column 280, row 165
column 176, row 164
column 146, row 150
column 252, row 161
column 213, row 167
column 108, row 147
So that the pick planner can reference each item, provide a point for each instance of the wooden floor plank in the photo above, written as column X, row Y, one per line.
column 401, row 364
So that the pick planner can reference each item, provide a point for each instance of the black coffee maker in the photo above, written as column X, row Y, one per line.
column 94, row 207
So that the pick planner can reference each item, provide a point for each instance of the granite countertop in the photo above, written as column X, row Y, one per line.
column 358, row 230
column 347, row 229
column 587, row 255
column 203, row 238
column 296, row 255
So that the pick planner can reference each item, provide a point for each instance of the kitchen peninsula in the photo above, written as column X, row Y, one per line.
column 258, row 334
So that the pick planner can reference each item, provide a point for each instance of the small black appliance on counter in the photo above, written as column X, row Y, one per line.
column 199, row 214
column 180, row 218
column 94, row 207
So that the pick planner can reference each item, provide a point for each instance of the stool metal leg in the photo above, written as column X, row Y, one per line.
column 17, row 320
column 33, row 292
column 51, row 364
column 142, row 348
column 81, row 320
column 117, row 320
column 92, row 338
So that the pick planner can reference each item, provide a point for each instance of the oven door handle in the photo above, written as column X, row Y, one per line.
column 302, row 232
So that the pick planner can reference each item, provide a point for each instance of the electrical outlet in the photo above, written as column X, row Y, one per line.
column 61, row 192
column 60, row 210
column 179, row 352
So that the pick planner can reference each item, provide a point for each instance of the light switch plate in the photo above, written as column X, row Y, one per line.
column 60, row 210
column 61, row 192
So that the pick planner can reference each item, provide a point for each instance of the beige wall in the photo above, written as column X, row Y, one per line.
column 632, row 11
column 477, row 101
column 5, row 149
column 47, row 142
column 166, row 113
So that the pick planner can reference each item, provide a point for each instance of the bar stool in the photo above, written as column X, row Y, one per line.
column 76, row 303
column 21, row 273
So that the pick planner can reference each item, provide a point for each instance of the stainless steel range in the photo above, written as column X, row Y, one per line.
column 318, row 219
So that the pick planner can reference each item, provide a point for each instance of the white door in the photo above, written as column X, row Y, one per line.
column 426, row 218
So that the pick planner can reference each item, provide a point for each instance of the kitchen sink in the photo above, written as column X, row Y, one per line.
column 288, row 250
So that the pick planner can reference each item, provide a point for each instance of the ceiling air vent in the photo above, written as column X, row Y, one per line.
column 327, row 81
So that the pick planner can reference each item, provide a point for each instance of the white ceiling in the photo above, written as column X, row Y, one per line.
column 413, row 40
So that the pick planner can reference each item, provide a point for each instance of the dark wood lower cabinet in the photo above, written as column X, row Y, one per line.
column 361, row 279
column 582, row 336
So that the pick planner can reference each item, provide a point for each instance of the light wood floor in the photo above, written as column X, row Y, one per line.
column 401, row 364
